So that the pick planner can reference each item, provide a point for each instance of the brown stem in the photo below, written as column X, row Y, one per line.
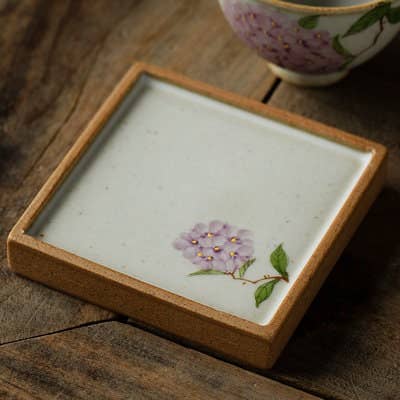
column 264, row 278
column 375, row 38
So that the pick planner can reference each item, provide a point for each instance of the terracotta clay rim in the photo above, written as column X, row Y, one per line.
column 324, row 10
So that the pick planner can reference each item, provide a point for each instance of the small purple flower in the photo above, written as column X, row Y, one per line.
column 282, row 40
column 218, row 246
column 238, row 236
column 235, row 255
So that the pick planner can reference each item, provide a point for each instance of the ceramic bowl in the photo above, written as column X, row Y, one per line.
column 309, row 45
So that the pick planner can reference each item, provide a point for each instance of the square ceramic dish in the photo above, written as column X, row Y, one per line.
column 203, row 214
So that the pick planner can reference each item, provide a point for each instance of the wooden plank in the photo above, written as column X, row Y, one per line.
column 65, row 47
column 348, row 345
column 36, row 96
column 113, row 360
column 59, row 62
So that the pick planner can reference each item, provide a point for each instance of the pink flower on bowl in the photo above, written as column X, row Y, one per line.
column 282, row 40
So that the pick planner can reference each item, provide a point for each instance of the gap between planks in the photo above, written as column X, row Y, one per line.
column 274, row 87
column 149, row 340
column 119, row 318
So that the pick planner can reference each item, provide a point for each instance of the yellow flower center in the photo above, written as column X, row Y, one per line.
column 194, row 241
column 210, row 258
column 232, row 254
column 234, row 239
column 199, row 254
column 210, row 234
column 217, row 249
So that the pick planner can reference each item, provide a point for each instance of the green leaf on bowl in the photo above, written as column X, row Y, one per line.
column 309, row 22
column 368, row 19
column 279, row 260
column 393, row 15
column 338, row 47
column 245, row 267
column 207, row 272
column 264, row 291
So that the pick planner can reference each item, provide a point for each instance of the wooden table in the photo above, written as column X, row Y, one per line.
column 58, row 61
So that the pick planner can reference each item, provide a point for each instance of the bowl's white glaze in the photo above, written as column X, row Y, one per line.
column 313, row 46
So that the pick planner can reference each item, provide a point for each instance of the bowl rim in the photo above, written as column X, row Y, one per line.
column 325, row 10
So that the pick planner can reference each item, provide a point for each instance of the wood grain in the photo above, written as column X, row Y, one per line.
column 59, row 61
column 348, row 345
column 116, row 361
column 66, row 48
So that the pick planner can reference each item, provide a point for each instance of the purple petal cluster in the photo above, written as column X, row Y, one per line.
column 217, row 245
column 282, row 40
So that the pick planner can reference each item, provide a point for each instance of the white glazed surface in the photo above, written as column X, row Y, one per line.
column 169, row 159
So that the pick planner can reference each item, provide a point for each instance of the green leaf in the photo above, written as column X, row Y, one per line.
column 245, row 267
column 264, row 291
column 338, row 47
column 393, row 15
column 309, row 22
column 207, row 272
column 279, row 260
column 368, row 19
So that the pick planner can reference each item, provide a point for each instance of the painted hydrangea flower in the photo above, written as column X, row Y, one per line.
column 282, row 40
column 219, row 248
column 216, row 246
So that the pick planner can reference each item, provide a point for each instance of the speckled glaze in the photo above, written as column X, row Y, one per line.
column 227, row 177
column 313, row 46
